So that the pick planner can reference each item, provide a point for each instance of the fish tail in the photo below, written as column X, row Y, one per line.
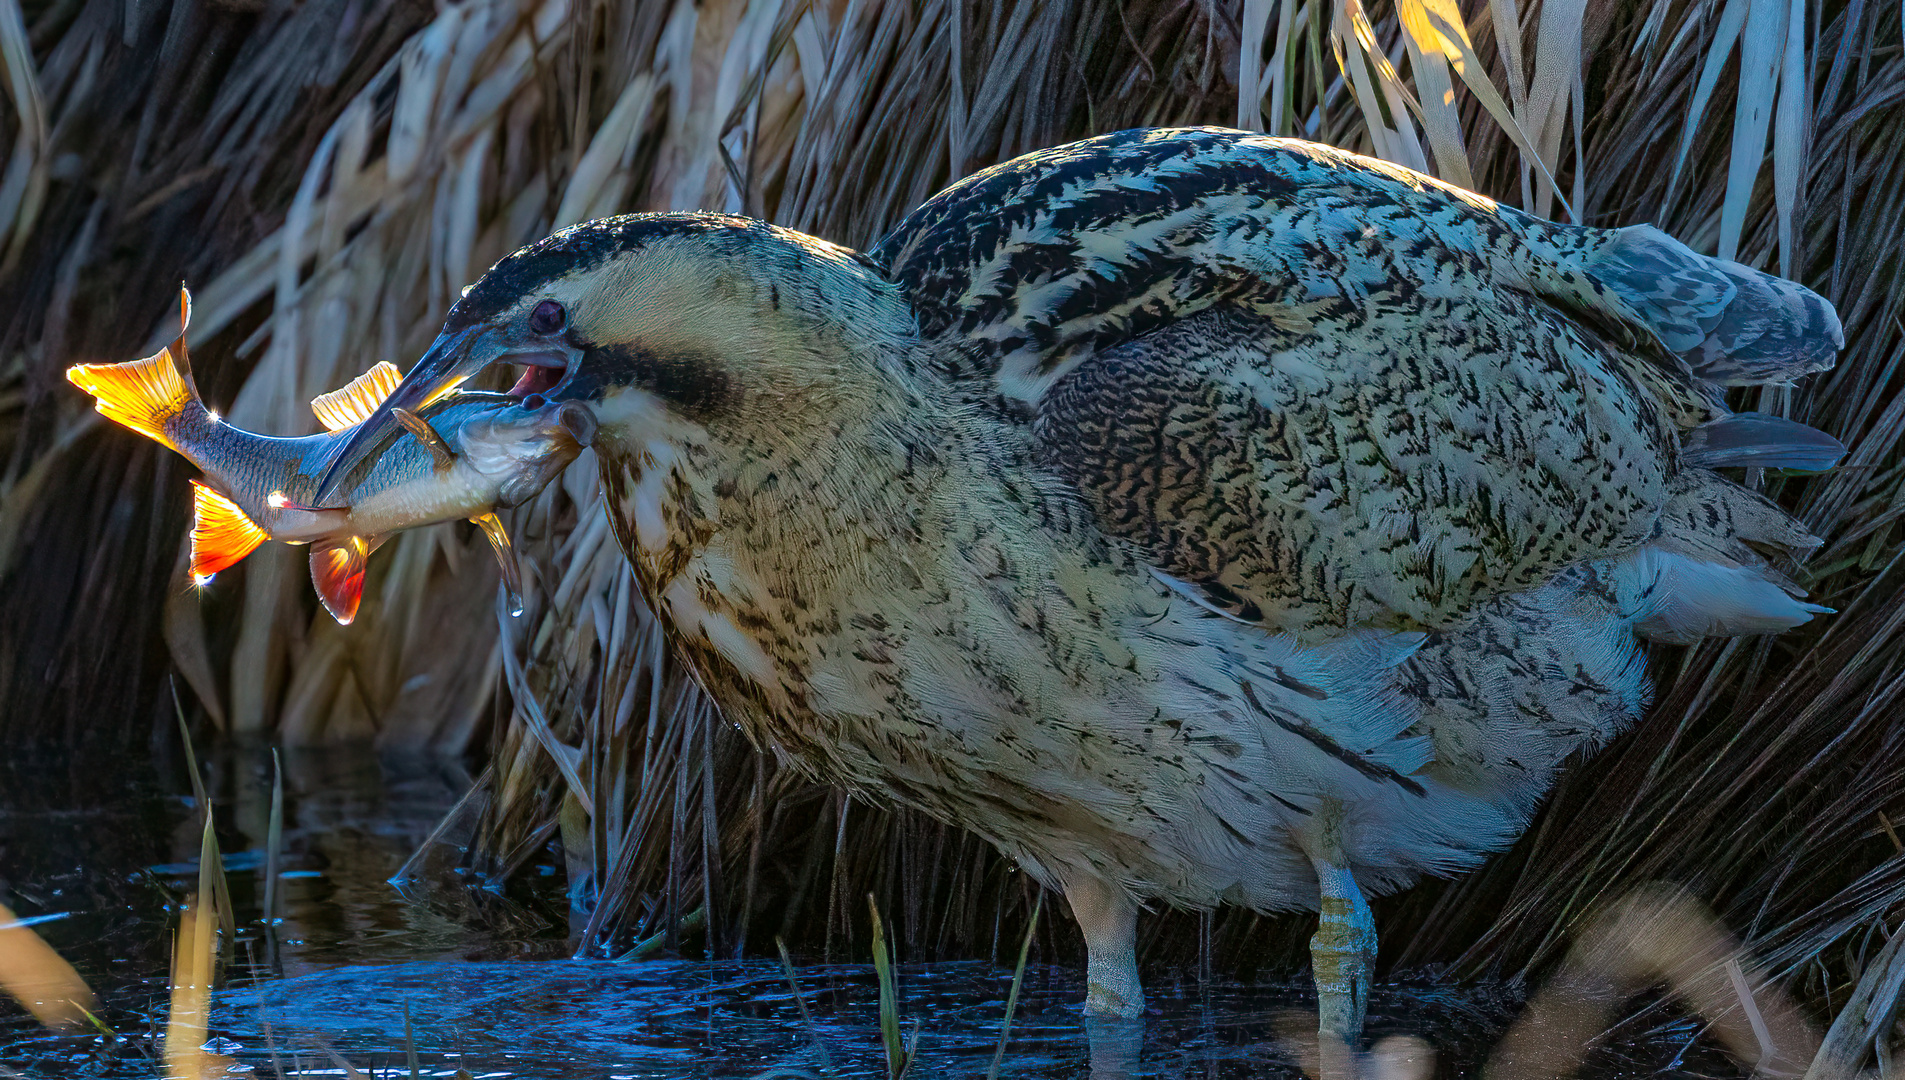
column 144, row 395
column 221, row 533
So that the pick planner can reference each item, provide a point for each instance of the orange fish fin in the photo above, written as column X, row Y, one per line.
column 359, row 398
column 440, row 451
column 337, row 572
column 221, row 533
column 141, row 394
column 181, row 358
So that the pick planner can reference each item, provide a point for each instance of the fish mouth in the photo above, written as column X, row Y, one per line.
column 578, row 420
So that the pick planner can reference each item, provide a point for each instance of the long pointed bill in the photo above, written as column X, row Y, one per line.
column 451, row 360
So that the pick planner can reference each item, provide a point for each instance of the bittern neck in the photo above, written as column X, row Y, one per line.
column 805, row 488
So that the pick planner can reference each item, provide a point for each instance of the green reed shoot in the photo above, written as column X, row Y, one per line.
column 274, row 840
column 1012, row 996
column 220, row 890
column 899, row 1055
column 800, row 1002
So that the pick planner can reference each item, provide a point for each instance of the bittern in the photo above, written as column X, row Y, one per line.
column 1200, row 517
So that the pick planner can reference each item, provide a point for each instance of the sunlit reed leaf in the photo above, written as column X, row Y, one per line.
column 194, row 971
column 1791, row 119
column 1762, row 44
column 1250, row 69
column 39, row 979
column 1283, row 69
column 191, row 990
column 1557, row 67
column 586, row 197
column 1429, row 56
column 210, row 868
column 1732, row 19
column 1353, row 62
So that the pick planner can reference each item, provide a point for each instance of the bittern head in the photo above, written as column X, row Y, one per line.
column 660, row 320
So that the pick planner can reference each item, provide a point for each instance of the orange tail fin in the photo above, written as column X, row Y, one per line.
column 337, row 572
column 221, row 533
column 141, row 394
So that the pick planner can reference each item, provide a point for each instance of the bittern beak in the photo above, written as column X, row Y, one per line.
column 452, row 358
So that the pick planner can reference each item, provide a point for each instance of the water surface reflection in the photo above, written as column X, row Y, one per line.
column 102, row 855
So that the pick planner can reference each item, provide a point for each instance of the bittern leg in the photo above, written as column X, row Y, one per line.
column 1109, row 919
column 1343, row 952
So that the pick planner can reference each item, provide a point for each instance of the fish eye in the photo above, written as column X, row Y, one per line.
column 547, row 318
column 534, row 402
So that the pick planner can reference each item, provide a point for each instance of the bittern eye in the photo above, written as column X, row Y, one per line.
column 547, row 318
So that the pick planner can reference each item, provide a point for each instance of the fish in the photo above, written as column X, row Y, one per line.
column 466, row 455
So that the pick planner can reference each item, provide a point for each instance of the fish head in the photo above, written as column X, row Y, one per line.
column 539, row 341
column 520, row 445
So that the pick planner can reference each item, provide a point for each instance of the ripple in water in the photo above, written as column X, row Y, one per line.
column 99, row 862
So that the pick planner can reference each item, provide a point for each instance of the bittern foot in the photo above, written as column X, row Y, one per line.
column 1118, row 998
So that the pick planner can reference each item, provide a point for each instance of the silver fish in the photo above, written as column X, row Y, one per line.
column 464, row 456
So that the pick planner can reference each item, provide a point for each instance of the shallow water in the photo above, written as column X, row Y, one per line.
column 102, row 856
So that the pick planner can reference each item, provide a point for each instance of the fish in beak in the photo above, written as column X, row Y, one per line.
column 469, row 455
column 440, row 371
column 458, row 353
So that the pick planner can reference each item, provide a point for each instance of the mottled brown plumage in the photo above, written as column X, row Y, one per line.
column 1201, row 517
column 1338, row 391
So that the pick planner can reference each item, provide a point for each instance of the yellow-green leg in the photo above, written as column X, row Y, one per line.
column 1108, row 917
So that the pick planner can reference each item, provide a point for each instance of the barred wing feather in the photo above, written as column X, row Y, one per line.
column 1327, row 391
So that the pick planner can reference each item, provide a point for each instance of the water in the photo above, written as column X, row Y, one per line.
column 103, row 855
